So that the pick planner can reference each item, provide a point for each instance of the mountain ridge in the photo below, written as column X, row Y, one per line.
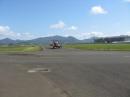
column 46, row 40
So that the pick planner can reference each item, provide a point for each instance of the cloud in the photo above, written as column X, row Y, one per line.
column 83, row 35
column 127, row 1
column 91, row 34
column 96, row 34
column 59, row 25
column 128, row 33
column 6, row 32
column 62, row 26
column 73, row 28
column 4, row 29
column 98, row 10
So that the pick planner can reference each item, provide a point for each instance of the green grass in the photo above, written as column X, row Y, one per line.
column 19, row 48
column 100, row 47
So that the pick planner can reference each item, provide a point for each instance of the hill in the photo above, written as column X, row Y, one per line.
column 9, row 41
column 46, row 40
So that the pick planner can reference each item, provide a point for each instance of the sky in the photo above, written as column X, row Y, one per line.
column 29, row 19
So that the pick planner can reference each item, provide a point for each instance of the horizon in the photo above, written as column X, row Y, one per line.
column 82, row 19
column 65, row 37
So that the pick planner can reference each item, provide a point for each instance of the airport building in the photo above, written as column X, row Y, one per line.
column 114, row 39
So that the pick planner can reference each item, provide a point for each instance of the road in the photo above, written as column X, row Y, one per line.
column 71, row 73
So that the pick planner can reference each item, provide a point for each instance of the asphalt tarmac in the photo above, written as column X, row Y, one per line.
column 65, row 73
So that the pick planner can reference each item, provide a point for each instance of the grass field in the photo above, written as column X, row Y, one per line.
column 19, row 48
column 100, row 47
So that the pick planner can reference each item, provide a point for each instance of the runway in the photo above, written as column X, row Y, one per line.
column 65, row 73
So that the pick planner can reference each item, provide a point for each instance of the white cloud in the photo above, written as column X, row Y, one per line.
column 96, row 34
column 91, row 34
column 128, row 33
column 127, row 0
column 6, row 32
column 83, row 35
column 4, row 29
column 59, row 25
column 62, row 26
column 74, row 28
column 98, row 10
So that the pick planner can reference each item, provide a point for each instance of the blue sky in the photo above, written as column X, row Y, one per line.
column 28, row 19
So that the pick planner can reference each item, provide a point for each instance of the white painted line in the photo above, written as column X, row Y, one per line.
column 34, row 70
